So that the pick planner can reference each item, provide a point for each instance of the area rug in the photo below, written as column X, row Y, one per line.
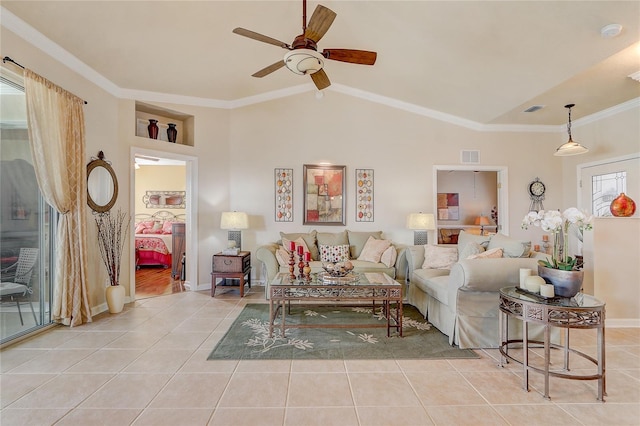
column 248, row 336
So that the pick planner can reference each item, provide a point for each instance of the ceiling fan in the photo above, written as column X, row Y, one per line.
column 303, row 57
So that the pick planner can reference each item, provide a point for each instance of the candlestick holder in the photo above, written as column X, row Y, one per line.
column 301, row 267
column 292, row 265
column 307, row 271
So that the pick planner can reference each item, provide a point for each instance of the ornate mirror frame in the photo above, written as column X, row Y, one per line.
column 93, row 165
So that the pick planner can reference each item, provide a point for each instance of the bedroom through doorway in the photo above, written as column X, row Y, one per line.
column 160, row 219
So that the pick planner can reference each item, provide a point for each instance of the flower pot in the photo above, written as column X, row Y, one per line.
column 565, row 283
column 115, row 298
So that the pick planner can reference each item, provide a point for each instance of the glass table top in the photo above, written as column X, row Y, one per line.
column 580, row 300
column 322, row 278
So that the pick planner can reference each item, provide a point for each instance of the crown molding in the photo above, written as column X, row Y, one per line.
column 37, row 39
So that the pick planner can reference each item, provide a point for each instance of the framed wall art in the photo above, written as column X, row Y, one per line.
column 164, row 199
column 324, row 195
column 283, row 179
column 448, row 206
column 364, row 195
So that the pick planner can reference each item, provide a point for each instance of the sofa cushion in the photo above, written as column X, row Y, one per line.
column 309, row 239
column 433, row 284
column 373, row 249
column 333, row 254
column 489, row 254
column 357, row 240
column 470, row 249
column 389, row 256
column 465, row 238
column 510, row 246
column 439, row 257
column 332, row 238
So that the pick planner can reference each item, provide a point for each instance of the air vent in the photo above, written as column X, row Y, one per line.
column 635, row 76
column 534, row 108
column 470, row 157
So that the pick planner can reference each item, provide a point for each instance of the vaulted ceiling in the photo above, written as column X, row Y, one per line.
column 481, row 61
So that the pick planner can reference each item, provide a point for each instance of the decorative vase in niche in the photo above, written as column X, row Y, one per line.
column 115, row 298
column 622, row 206
column 153, row 128
column 172, row 132
column 565, row 283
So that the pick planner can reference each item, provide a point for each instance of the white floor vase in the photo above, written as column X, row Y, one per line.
column 115, row 298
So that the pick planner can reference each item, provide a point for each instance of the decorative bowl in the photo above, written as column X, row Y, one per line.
column 339, row 269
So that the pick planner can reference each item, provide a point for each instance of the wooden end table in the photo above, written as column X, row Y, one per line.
column 231, row 266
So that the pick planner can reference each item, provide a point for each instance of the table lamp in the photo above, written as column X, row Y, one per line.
column 421, row 223
column 482, row 221
column 235, row 222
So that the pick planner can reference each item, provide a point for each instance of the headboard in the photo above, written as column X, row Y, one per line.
column 159, row 216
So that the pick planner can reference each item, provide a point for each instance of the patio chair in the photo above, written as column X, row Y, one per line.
column 15, row 280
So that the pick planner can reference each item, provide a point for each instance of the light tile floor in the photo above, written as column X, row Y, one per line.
column 147, row 366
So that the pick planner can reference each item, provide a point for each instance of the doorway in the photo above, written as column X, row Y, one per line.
column 500, row 198
column 164, row 194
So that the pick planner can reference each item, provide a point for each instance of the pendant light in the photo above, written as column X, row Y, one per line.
column 570, row 147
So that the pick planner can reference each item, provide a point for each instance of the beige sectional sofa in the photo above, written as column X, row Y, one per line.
column 392, row 261
column 461, row 299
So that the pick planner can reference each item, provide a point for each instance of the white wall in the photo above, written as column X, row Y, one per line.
column 238, row 150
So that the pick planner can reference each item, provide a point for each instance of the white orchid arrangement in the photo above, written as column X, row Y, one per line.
column 558, row 224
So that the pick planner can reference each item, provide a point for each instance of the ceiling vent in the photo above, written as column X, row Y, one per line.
column 469, row 157
column 534, row 108
column 635, row 76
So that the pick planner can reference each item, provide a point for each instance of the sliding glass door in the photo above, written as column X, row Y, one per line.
column 27, row 223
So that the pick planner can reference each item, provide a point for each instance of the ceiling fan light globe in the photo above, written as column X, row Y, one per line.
column 304, row 61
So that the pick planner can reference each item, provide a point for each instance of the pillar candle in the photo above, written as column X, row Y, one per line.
column 524, row 273
column 300, row 250
column 292, row 246
column 536, row 248
column 545, row 237
column 533, row 283
column 546, row 290
column 307, row 256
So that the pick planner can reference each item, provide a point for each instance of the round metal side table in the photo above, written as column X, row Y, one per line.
column 585, row 312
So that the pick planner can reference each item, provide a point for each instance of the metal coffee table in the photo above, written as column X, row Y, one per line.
column 365, row 287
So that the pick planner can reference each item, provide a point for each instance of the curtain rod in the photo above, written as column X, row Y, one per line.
column 8, row 59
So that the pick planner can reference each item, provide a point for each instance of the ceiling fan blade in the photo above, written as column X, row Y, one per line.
column 268, row 70
column 320, row 79
column 362, row 57
column 260, row 37
column 319, row 23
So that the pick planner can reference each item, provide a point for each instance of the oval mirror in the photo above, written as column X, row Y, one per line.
column 102, row 185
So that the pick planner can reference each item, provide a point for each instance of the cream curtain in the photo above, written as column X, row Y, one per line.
column 56, row 135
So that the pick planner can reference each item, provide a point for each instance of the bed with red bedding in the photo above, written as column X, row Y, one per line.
column 153, row 239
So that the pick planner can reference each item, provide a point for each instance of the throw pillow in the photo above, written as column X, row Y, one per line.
column 167, row 227
column 510, row 246
column 157, row 227
column 489, row 254
column 309, row 239
column 470, row 250
column 139, row 228
column 282, row 256
column 298, row 242
column 465, row 238
column 357, row 240
column 389, row 257
column 334, row 254
column 332, row 238
column 437, row 257
column 373, row 249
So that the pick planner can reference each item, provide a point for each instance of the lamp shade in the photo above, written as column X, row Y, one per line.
column 570, row 147
column 421, row 221
column 482, row 220
column 234, row 220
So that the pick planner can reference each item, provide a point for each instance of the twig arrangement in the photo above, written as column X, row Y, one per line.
column 112, row 233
